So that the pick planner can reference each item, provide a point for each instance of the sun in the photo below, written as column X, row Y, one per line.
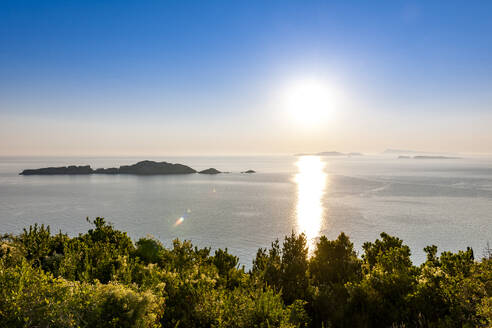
column 310, row 102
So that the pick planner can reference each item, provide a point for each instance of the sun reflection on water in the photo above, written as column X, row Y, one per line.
column 311, row 184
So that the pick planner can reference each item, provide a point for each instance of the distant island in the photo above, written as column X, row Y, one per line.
column 427, row 157
column 402, row 151
column 329, row 153
column 140, row 168
column 415, row 153
column 435, row 157
column 210, row 171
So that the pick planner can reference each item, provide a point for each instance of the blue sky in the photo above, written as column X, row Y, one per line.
column 189, row 77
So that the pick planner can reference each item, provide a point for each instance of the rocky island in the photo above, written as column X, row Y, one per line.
column 210, row 171
column 76, row 170
column 155, row 168
column 140, row 168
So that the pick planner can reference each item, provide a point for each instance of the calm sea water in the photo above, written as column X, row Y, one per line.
column 442, row 202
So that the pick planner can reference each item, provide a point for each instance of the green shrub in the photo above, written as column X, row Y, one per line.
column 101, row 279
column 31, row 298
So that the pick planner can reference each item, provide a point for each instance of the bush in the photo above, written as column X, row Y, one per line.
column 31, row 298
column 101, row 279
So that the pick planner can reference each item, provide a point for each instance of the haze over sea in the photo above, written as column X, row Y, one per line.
column 445, row 202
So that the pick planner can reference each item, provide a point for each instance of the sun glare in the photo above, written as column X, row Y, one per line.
column 310, row 102
column 311, row 184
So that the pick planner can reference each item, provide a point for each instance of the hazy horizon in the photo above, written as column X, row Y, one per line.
column 158, row 78
column 158, row 156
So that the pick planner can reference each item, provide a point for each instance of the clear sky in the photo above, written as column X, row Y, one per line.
column 217, row 77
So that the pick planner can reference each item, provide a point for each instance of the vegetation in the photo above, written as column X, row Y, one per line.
column 102, row 279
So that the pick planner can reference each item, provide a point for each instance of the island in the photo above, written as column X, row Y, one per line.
column 153, row 168
column 435, row 157
column 401, row 151
column 415, row 154
column 210, row 171
column 329, row 153
column 75, row 170
column 427, row 157
column 140, row 168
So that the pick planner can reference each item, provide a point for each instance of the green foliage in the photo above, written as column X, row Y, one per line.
column 380, row 298
column 454, row 289
column 245, row 307
column 286, row 269
column 334, row 264
column 294, row 278
column 227, row 265
column 101, row 279
column 267, row 266
column 148, row 249
column 29, row 297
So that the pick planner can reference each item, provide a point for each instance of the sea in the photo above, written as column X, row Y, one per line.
column 446, row 202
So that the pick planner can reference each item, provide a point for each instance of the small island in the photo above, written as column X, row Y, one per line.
column 435, row 157
column 249, row 171
column 330, row 154
column 210, row 171
column 427, row 157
